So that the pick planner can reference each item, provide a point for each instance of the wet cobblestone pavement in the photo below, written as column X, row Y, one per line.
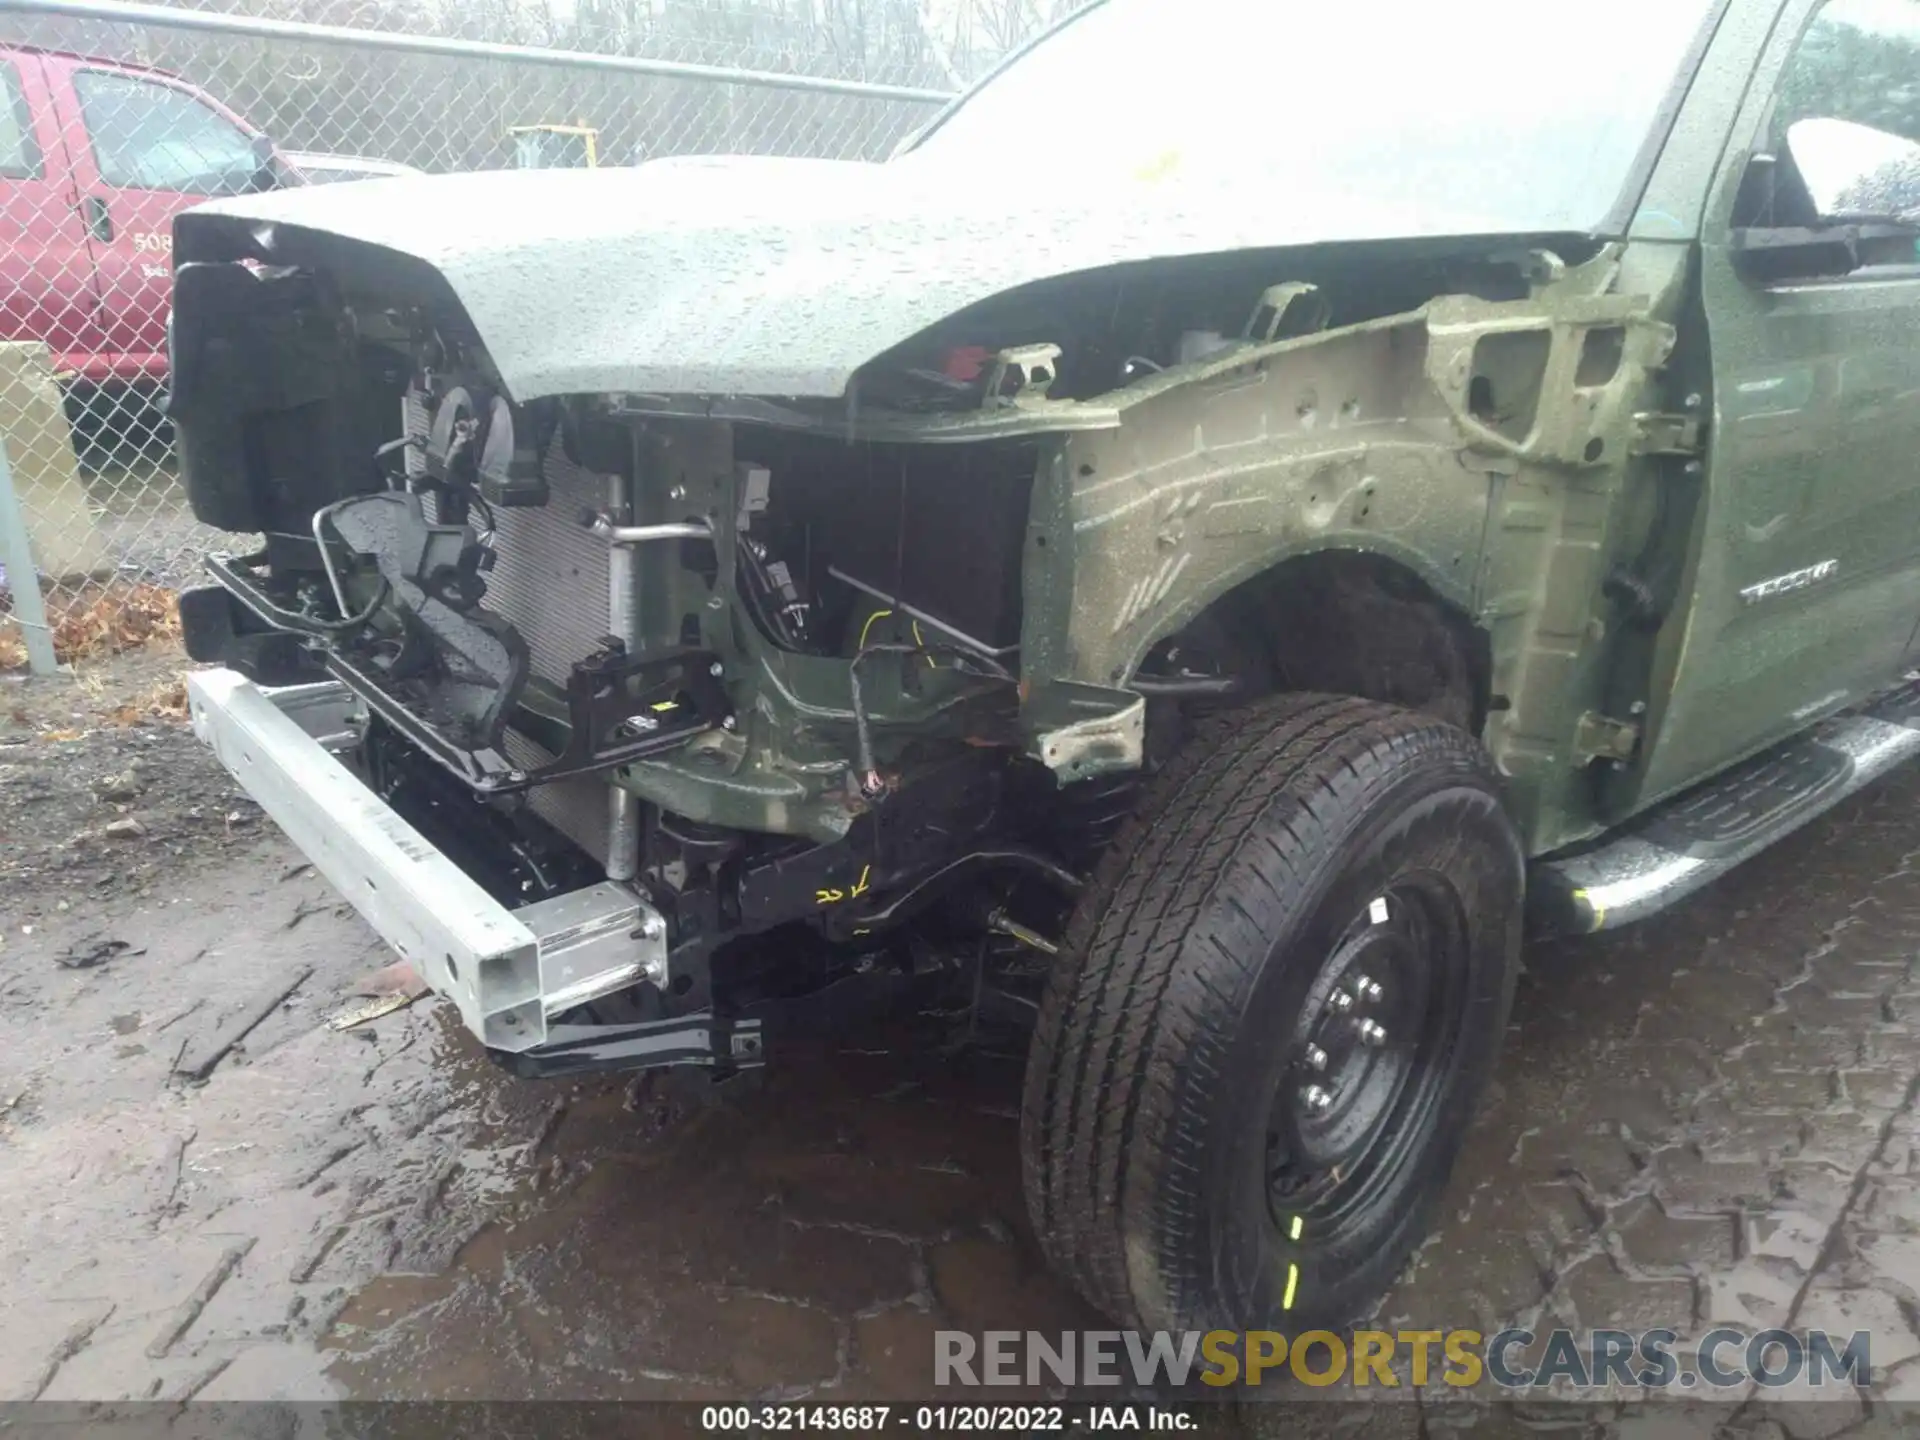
column 1707, row 1120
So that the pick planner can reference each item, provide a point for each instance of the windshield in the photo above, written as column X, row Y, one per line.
column 1494, row 113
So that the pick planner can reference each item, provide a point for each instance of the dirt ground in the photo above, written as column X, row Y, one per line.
column 1709, row 1119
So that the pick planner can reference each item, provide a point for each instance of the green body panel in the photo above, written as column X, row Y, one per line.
column 1805, row 586
column 1365, row 440
column 1360, row 440
column 1653, row 413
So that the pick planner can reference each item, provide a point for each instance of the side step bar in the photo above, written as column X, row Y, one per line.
column 1691, row 841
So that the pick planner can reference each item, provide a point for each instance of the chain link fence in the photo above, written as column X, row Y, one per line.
column 115, row 117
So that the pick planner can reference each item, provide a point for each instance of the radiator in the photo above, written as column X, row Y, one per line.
column 550, row 583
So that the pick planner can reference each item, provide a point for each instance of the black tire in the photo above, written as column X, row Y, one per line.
column 1168, row 1138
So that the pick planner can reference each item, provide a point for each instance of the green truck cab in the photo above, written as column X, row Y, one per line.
column 1196, row 552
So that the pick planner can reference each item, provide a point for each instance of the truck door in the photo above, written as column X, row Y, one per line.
column 1808, row 579
column 48, row 289
column 149, row 147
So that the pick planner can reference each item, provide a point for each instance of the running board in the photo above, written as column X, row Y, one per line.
column 1691, row 841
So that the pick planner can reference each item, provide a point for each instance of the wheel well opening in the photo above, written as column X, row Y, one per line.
column 1344, row 623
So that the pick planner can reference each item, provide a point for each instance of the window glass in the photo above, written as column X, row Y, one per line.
column 19, row 153
column 1476, row 116
column 1842, row 137
column 1859, row 61
column 152, row 136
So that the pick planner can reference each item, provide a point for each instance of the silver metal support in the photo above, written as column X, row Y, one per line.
column 619, row 535
column 623, row 575
column 219, row 23
column 594, row 942
column 328, row 711
column 320, row 518
column 506, row 971
column 23, row 579
column 623, row 832
column 623, row 621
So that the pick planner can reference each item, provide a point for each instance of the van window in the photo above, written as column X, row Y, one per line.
column 19, row 152
column 152, row 136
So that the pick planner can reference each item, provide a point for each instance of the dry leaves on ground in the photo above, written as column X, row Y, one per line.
column 165, row 701
column 102, row 619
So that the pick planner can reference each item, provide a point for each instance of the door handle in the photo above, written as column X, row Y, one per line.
column 99, row 220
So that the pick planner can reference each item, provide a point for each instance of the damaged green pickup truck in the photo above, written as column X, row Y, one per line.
column 1195, row 551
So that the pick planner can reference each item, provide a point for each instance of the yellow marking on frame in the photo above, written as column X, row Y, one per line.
column 665, row 705
column 836, row 895
column 913, row 624
column 1293, row 1280
column 1298, row 1226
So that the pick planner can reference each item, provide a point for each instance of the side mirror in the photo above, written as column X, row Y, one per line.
column 1855, row 172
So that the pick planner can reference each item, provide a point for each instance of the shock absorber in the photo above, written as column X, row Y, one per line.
column 1086, row 816
column 623, row 622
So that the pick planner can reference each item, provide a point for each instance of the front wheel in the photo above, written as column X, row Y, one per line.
column 1276, row 1007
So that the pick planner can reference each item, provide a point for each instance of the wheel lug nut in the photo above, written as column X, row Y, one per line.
column 1315, row 1057
column 1367, row 989
column 1372, row 1033
column 1340, row 1002
column 1316, row 1099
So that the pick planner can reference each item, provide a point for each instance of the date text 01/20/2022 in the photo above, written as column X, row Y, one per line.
column 1018, row 1419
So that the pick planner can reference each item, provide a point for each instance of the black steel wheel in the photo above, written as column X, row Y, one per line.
column 1276, row 1007
column 1371, row 1058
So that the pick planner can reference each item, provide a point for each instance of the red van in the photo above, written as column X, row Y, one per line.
column 96, row 158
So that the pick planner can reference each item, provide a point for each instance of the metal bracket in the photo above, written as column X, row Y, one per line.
column 1538, row 266
column 612, row 700
column 1601, row 737
column 463, row 664
column 1285, row 311
column 623, row 707
column 1660, row 434
column 1078, row 731
column 1021, row 376
column 593, row 942
column 717, row 1041
column 619, row 707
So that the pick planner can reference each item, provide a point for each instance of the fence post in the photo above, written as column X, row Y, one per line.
column 16, row 553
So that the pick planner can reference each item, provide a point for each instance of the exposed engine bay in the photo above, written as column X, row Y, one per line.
column 521, row 628
column 795, row 668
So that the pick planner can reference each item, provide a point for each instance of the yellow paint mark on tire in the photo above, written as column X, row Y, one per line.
column 1298, row 1226
column 1293, row 1281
